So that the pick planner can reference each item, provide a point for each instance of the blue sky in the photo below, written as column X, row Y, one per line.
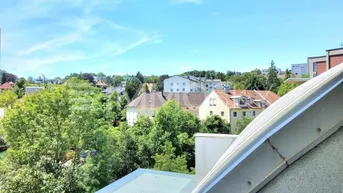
column 58, row 37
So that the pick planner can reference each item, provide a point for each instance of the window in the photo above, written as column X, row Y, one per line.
column 191, row 90
column 254, row 113
column 177, row 90
column 171, row 90
column 214, row 102
column 211, row 112
column 210, row 101
column 242, row 101
column 206, row 85
column 183, row 89
column 222, row 113
column 177, row 84
column 184, row 84
column 244, row 113
column 314, row 66
column 234, row 114
column 171, row 84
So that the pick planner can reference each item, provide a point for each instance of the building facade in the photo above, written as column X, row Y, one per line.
column 319, row 64
column 191, row 84
column 148, row 104
column 234, row 105
column 300, row 69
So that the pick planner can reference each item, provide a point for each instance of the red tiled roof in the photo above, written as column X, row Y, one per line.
column 269, row 96
column 6, row 86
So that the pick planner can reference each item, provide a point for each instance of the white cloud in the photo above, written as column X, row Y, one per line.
column 196, row 2
column 42, row 34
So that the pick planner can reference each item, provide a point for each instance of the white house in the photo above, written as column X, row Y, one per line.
column 191, row 84
column 178, row 84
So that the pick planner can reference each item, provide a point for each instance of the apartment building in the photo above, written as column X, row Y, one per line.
column 319, row 64
column 300, row 69
column 232, row 105
column 192, row 84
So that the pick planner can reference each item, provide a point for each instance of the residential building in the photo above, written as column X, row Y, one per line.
column 32, row 89
column 295, row 145
column 178, row 84
column 300, row 69
column 144, row 105
column 319, row 64
column 6, row 85
column 191, row 84
column 101, row 84
column 232, row 105
column 148, row 103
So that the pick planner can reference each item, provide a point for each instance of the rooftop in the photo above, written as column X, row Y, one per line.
column 269, row 96
column 152, row 181
column 6, row 86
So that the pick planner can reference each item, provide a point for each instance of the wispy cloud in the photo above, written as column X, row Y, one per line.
column 196, row 2
column 46, row 33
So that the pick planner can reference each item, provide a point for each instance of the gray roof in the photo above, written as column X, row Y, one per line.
column 148, row 181
column 148, row 100
column 31, row 90
column 111, row 90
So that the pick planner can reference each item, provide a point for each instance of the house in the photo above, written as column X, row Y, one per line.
column 191, row 84
column 32, row 89
column 295, row 145
column 189, row 101
column 232, row 105
column 319, row 64
column 144, row 105
column 6, row 85
column 101, row 84
column 148, row 103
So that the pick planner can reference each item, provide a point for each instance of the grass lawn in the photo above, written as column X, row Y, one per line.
column 2, row 155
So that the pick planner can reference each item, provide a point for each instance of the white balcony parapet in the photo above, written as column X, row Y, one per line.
column 208, row 149
column 279, row 136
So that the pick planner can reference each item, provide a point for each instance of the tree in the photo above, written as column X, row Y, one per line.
column 30, row 79
column 215, row 124
column 7, row 98
column 58, row 144
column 242, row 124
column 117, row 80
column 287, row 74
column 272, row 80
column 140, row 77
column 3, row 78
column 255, row 82
column 131, row 87
column 87, row 76
column 160, row 85
column 145, row 89
column 173, row 124
column 109, row 80
column 285, row 88
column 19, row 87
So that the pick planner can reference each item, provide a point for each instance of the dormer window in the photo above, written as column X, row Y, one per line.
column 242, row 101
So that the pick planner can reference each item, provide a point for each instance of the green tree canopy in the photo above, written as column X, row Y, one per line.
column 242, row 124
column 7, row 98
column 215, row 124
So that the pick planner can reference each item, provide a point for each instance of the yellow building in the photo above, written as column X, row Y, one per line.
column 232, row 105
